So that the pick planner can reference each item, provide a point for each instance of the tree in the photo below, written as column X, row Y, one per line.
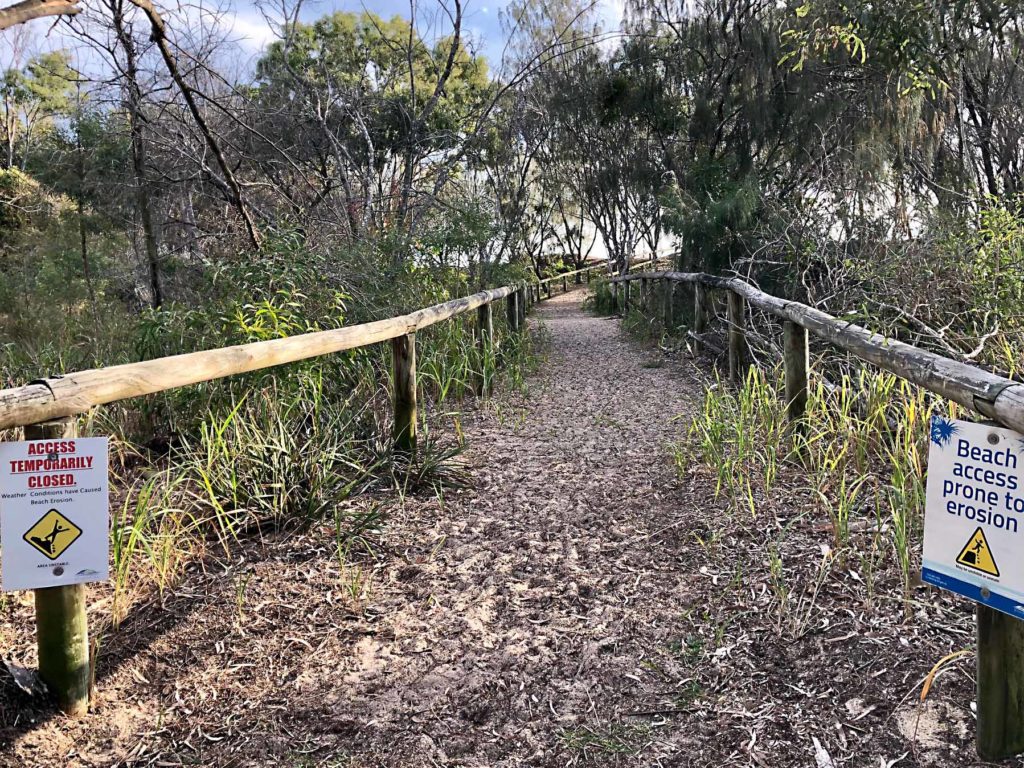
column 32, row 97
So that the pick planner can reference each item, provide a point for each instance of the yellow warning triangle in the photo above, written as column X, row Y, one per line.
column 976, row 554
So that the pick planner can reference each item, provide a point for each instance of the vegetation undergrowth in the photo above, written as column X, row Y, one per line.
column 855, row 467
column 196, row 470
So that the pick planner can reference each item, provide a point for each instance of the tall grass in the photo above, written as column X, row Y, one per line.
column 858, row 462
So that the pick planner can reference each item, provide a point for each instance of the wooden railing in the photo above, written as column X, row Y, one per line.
column 578, row 276
column 996, row 397
column 60, row 397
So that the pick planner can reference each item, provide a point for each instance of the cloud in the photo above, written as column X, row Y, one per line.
column 250, row 30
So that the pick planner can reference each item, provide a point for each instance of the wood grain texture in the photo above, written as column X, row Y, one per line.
column 796, row 360
column 484, row 348
column 19, row 13
column 737, row 337
column 1000, row 684
column 403, row 349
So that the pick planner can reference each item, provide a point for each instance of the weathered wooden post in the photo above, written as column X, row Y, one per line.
column 522, row 306
column 796, row 358
column 579, row 278
column 547, row 288
column 484, row 342
column 1000, row 688
column 565, row 284
column 670, row 299
column 512, row 311
column 62, row 631
column 588, row 275
column 625, row 296
column 403, row 349
column 644, row 290
column 700, row 316
column 737, row 338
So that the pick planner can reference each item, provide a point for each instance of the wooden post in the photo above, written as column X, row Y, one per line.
column 484, row 342
column 512, row 311
column 1000, row 690
column 737, row 338
column 403, row 349
column 522, row 306
column 796, row 357
column 588, row 276
column 670, row 299
column 565, row 284
column 547, row 288
column 579, row 278
column 62, row 631
column 625, row 296
column 644, row 289
column 700, row 316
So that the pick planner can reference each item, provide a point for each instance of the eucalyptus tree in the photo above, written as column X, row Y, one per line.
column 377, row 112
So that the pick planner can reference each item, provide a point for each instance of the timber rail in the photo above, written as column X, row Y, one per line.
column 995, row 397
column 59, row 397
column 1000, row 637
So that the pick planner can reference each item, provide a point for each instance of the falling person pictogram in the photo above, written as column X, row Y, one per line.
column 52, row 534
column 977, row 554
column 46, row 542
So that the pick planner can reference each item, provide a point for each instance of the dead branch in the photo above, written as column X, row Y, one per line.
column 159, row 36
column 27, row 10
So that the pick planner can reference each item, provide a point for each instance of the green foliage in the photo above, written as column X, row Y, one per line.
column 367, row 57
column 859, row 460
column 30, row 99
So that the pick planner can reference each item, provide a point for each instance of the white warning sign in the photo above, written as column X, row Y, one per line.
column 974, row 513
column 54, row 509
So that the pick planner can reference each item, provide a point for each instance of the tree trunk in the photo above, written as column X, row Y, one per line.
column 133, row 105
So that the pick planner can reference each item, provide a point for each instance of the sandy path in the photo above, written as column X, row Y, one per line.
column 522, row 640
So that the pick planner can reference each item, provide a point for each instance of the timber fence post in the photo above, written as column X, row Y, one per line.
column 670, row 299
column 403, row 349
column 700, row 316
column 62, row 630
column 1000, row 687
column 512, row 311
column 484, row 345
column 565, row 284
column 737, row 338
column 522, row 306
column 625, row 296
column 796, row 359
